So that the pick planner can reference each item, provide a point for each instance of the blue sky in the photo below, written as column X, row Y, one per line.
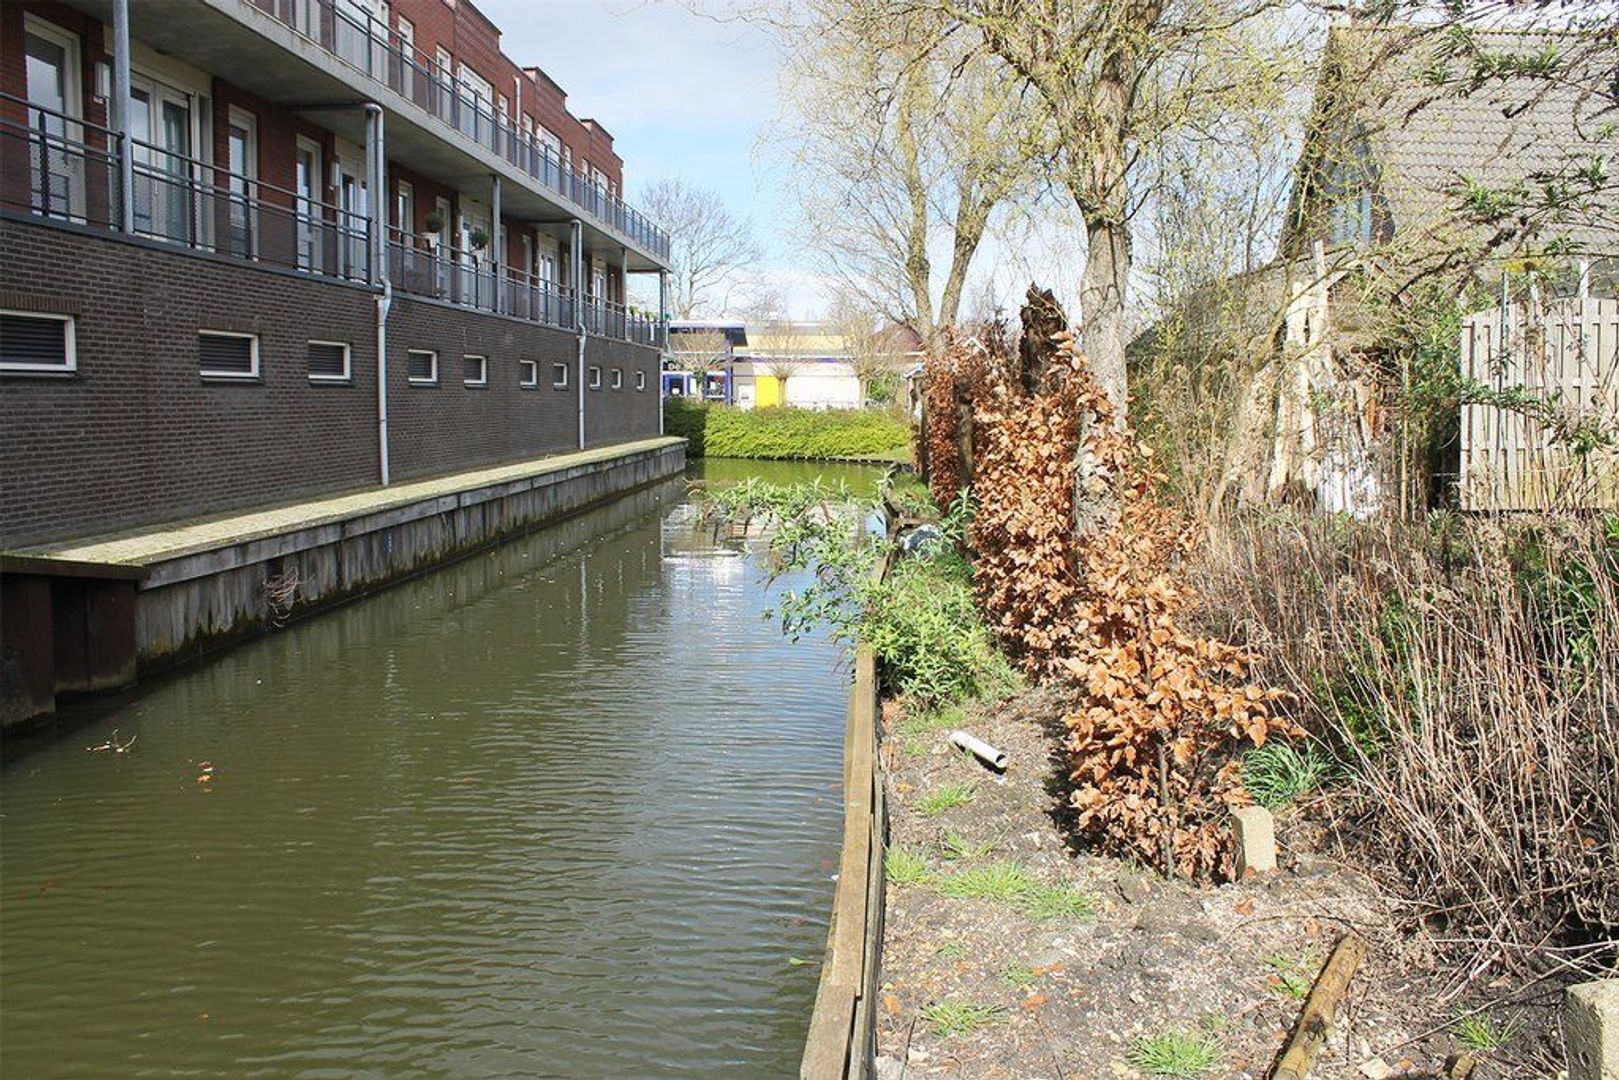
column 684, row 96
column 689, row 96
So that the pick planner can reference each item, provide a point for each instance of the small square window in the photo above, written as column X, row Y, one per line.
column 595, row 378
column 422, row 366
column 222, row 354
column 559, row 376
column 475, row 370
column 528, row 373
column 618, row 378
column 328, row 361
column 640, row 380
column 30, row 342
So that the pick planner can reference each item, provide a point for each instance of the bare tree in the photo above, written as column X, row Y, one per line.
column 697, row 352
column 905, row 142
column 871, row 353
column 711, row 249
column 1112, row 76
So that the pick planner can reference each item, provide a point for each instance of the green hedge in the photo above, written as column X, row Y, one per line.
column 847, row 434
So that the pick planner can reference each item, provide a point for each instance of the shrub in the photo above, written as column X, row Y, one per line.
column 1163, row 713
column 830, row 434
column 925, row 626
column 921, row 620
column 1468, row 676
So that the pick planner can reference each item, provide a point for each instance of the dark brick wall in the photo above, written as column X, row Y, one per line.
column 136, row 436
column 621, row 415
column 449, row 426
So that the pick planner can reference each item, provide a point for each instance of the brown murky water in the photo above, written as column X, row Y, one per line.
column 569, row 808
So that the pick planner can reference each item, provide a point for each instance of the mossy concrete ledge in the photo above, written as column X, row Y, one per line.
column 96, row 614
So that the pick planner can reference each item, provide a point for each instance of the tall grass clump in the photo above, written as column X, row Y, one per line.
column 1466, row 675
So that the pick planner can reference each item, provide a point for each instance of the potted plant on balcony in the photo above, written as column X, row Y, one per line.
column 478, row 238
column 432, row 228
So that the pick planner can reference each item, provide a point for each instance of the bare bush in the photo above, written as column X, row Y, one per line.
column 1466, row 672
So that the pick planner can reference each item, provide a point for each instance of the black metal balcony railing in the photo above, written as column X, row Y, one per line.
column 58, row 168
column 64, row 169
column 346, row 30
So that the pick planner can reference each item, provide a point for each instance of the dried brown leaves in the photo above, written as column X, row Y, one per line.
column 1152, row 749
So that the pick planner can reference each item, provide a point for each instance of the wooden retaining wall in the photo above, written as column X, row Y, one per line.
column 843, row 1025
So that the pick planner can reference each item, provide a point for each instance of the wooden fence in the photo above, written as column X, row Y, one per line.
column 1561, row 359
column 842, row 1032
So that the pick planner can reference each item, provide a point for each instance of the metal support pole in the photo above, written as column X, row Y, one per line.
column 120, row 115
column 576, row 241
column 496, row 241
column 376, row 155
column 663, row 309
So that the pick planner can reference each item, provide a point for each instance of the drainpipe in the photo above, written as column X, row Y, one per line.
column 120, row 115
column 377, row 168
column 576, row 240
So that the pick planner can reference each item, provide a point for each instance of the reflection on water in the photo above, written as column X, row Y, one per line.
column 567, row 808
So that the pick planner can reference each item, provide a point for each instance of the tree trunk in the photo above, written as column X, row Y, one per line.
column 1101, row 303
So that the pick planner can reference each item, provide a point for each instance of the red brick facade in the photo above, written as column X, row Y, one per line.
column 134, row 435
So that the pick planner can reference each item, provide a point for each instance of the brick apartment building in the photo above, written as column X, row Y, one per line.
column 205, row 306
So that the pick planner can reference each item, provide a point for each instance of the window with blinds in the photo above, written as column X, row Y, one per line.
column 225, row 355
column 475, row 370
column 328, row 361
column 422, row 366
column 30, row 342
column 528, row 373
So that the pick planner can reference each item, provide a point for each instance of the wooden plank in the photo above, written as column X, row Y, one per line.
column 1320, row 1009
column 840, row 1040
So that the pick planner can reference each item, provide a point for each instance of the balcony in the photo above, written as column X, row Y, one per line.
column 60, row 169
column 351, row 34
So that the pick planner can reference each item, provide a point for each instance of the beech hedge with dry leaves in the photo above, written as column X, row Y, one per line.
column 1164, row 714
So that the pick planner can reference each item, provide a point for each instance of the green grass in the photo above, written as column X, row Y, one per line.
column 944, row 797
column 1292, row 978
column 956, row 1017
column 1057, row 902
column 1481, row 1034
column 926, row 721
column 957, row 848
column 1004, row 881
column 953, row 951
column 785, row 433
column 1176, row 1053
column 1019, row 975
column 906, row 866
column 1281, row 772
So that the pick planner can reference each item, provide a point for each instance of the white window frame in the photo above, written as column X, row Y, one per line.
column 252, row 355
column 483, row 369
column 562, row 383
column 640, row 380
column 595, row 377
column 528, row 374
column 618, row 379
column 414, row 380
column 69, row 343
column 348, row 366
column 73, row 96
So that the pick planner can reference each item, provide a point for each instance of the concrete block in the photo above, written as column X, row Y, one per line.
column 1591, row 1030
column 1255, row 831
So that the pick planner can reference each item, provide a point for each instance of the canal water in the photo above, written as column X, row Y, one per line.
column 569, row 808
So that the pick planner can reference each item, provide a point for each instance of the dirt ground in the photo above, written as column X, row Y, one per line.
column 1071, row 996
